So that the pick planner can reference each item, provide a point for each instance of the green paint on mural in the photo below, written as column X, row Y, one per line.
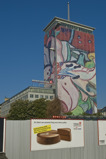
column 90, row 64
column 74, row 55
column 68, row 52
column 47, row 34
column 52, row 34
column 84, row 107
column 57, row 32
column 81, row 60
column 77, row 111
column 86, row 103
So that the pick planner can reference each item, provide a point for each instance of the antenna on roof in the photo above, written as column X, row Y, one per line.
column 68, row 11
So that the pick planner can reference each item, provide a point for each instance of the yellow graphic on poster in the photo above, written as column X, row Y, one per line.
column 42, row 129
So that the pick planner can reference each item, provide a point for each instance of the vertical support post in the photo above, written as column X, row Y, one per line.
column 55, row 65
column 68, row 11
column 57, row 25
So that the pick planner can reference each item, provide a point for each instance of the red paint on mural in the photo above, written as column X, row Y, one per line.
column 83, row 41
column 64, row 34
column 45, row 39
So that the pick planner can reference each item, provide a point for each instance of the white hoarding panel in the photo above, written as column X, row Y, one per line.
column 55, row 134
column 102, row 132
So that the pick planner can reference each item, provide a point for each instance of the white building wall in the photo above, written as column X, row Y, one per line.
column 33, row 96
column 26, row 95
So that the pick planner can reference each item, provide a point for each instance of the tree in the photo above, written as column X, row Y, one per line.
column 54, row 108
column 21, row 110
column 18, row 110
column 38, row 108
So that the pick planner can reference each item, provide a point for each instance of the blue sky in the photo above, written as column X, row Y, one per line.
column 22, row 40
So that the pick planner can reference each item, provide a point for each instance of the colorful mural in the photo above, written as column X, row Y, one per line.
column 76, row 74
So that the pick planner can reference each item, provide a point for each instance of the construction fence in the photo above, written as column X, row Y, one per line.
column 18, row 143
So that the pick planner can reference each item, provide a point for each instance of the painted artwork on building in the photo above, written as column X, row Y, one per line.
column 76, row 70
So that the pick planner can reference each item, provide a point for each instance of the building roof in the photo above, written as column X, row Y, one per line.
column 60, row 20
column 25, row 90
column 103, row 109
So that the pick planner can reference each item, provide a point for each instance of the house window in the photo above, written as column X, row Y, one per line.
column 31, row 95
column 46, row 97
column 51, row 97
column 36, row 96
column 41, row 96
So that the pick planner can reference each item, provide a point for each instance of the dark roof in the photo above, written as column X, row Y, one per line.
column 56, row 19
column 102, row 110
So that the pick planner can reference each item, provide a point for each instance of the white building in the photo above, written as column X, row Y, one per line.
column 31, row 94
column 102, row 111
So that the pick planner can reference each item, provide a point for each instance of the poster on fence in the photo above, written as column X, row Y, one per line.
column 56, row 134
column 2, row 134
column 102, row 132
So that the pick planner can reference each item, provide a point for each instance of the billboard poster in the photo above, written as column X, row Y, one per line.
column 56, row 134
column 2, row 134
column 102, row 132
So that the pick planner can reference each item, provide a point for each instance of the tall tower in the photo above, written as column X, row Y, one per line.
column 69, row 61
